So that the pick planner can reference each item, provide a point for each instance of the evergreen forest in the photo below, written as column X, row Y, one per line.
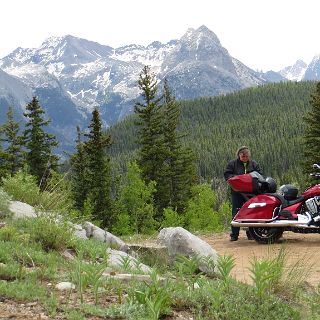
column 267, row 119
column 163, row 165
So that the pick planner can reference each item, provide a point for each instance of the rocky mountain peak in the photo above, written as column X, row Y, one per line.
column 295, row 72
column 313, row 70
column 197, row 38
column 155, row 45
column 75, row 74
column 70, row 49
column 199, row 48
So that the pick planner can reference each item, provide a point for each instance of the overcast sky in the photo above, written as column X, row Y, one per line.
column 263, row 34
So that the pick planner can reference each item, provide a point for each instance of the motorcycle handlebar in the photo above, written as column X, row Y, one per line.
column 316, row 166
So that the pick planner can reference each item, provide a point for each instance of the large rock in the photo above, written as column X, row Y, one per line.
column 122, row 260
column 181, row 242
column 99, row 234
column 22, row 210
column 79, row 231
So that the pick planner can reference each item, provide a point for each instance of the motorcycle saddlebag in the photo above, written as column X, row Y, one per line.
column 244, row 183
column 263, row 207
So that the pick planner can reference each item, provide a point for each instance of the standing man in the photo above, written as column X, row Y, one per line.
column 241, row 165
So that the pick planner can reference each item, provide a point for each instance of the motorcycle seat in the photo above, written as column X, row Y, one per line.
column 294, row 201
column 284, row 202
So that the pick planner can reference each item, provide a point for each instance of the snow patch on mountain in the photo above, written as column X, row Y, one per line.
column 247, row 76
column 56, row 68
column 85, row 100
column 88, row 69
column 313, row 69
column 151, row 56
column 103, row 80
column 295, row 72
column 132, row 91
column 34, row 75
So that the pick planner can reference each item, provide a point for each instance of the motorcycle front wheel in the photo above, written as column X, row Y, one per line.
column 266, row 235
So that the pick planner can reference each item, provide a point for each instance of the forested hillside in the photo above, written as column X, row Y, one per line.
column 268, row 119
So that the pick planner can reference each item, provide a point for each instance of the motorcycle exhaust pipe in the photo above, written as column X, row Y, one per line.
column 273, row 224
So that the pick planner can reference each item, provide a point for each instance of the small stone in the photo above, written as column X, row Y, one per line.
column 62, row 286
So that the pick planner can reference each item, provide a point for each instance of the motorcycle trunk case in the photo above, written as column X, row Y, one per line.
column 259, row 208
column 243, row 183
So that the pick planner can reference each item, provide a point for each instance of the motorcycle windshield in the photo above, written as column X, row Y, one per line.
column 255, row 174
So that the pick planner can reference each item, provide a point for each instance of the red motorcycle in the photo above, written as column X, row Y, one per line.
column 268, row 213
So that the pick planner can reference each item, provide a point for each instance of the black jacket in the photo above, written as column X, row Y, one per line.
column 236, row 167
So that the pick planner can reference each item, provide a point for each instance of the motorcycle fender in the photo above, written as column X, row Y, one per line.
column 263, row 207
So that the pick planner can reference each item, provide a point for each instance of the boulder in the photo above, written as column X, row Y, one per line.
column 99, row 234
column 122, row 260
column 181, row 242
column 22, row 210
column 79, row 231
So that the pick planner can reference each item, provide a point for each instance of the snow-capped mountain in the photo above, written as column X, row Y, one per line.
column 13, row 92
column 71, row 76
column 295, row 72
column 313, row 70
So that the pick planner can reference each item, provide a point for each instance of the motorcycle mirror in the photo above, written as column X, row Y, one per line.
column 316, row 166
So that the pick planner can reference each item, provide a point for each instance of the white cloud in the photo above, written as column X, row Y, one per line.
column 264, row 34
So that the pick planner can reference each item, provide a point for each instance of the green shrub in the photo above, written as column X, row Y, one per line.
column 225, row 265
column 171, row 218
column 4, row 203
column 266, row 274
column 225, row 215
column 22, row 187
column 8, row 233
column 22, row 290
column 199, row 213
column 136, row 201
column 57, row 195
column 48, row 231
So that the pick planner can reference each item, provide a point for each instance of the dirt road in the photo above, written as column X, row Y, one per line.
column 300, row 249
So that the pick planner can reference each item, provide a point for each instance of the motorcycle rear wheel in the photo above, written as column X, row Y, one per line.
column 266, row 235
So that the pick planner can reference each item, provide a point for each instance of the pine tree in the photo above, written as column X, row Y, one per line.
column 180, row 160
column 12, row 153
column 3, row 170
column 79, row 173
column 99, row 172
column 312, row 132
column 152, row 154
column 150, row 126
column 39, row 144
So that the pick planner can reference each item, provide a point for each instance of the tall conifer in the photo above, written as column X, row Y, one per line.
column 312, row 132
column 180, row 160
column 3, row 170
column 162, row 157
column 152, row 153
column 99, row 172
column 79, row 179
column 39, row 144
column 12, row 153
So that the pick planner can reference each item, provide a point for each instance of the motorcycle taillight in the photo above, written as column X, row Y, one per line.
column 313, row 205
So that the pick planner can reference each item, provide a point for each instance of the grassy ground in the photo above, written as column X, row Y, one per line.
column 31, row 264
